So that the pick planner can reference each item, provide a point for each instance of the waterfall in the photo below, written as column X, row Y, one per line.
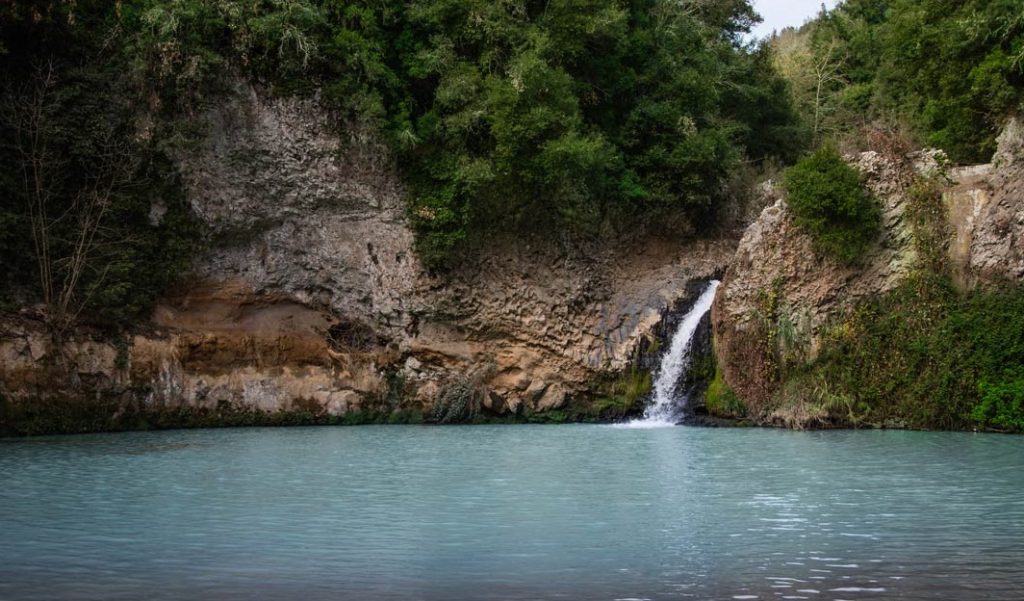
column 665, row 406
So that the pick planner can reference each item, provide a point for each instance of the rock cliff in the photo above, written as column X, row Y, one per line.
column 310, row 297
column 986, row 215
column 779, row 296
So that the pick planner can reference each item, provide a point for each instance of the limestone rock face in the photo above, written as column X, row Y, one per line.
column 1010, row 151
column 776, row 280
column 320, row 220
column 997, row 240
column 986, row 214
column 296, row 209
column 776, row 273
column 311, row 293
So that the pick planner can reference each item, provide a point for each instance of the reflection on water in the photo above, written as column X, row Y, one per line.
column 510, row 513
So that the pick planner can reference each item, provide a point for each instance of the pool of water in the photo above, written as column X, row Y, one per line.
column 512, row 513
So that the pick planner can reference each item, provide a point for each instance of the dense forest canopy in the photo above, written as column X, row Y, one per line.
column 517, row 115
column 949, row 72
column 563, row 118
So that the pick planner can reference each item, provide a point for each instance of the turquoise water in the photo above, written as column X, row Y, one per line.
column 512, row 513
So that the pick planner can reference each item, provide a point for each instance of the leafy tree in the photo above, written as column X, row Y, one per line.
column 577, row 114
column 953, row 70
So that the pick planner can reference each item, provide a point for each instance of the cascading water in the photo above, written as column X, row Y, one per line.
column 665, row 407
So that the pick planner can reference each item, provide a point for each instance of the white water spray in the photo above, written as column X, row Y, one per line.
column 665, row 406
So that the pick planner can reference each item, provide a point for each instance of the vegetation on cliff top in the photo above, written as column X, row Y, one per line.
column 948, row 72
column 566, row 117
column 572, row 116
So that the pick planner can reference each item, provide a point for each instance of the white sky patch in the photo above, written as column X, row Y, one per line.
column 779, row 14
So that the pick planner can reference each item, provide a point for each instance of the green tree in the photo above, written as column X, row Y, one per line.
column 953, row 70
column 78, row 181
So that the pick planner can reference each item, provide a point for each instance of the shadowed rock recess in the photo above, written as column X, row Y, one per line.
column 310, row 305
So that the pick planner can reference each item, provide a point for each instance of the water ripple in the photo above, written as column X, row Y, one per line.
column 512, row 513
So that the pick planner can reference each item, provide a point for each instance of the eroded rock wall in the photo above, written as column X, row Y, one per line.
column 311, row 295
column 986, row 216
column 779, row 296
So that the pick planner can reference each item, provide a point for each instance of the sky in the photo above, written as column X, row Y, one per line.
column 778, row 14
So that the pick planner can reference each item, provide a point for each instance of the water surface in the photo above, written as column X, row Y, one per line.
column 512, row 513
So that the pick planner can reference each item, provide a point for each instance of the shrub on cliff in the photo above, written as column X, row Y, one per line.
column 1002, row 402
column 928, row 356
column 829, row 201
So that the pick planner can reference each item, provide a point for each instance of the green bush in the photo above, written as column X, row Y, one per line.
column 1002, row 402
column 928, row 356
column 829, row 201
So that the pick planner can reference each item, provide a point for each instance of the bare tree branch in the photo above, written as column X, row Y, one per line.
column 68, row 222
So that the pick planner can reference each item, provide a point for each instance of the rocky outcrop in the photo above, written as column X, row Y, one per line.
column 779, row 295
column 295, row 209
column 311, row 296
column 1010, row 145
column 777, row 275
column 986, row 216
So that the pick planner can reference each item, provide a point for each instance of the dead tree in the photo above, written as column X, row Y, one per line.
column 828, row 67
column 67, row 213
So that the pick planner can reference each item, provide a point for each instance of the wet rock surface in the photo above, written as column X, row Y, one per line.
column 986, row 215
